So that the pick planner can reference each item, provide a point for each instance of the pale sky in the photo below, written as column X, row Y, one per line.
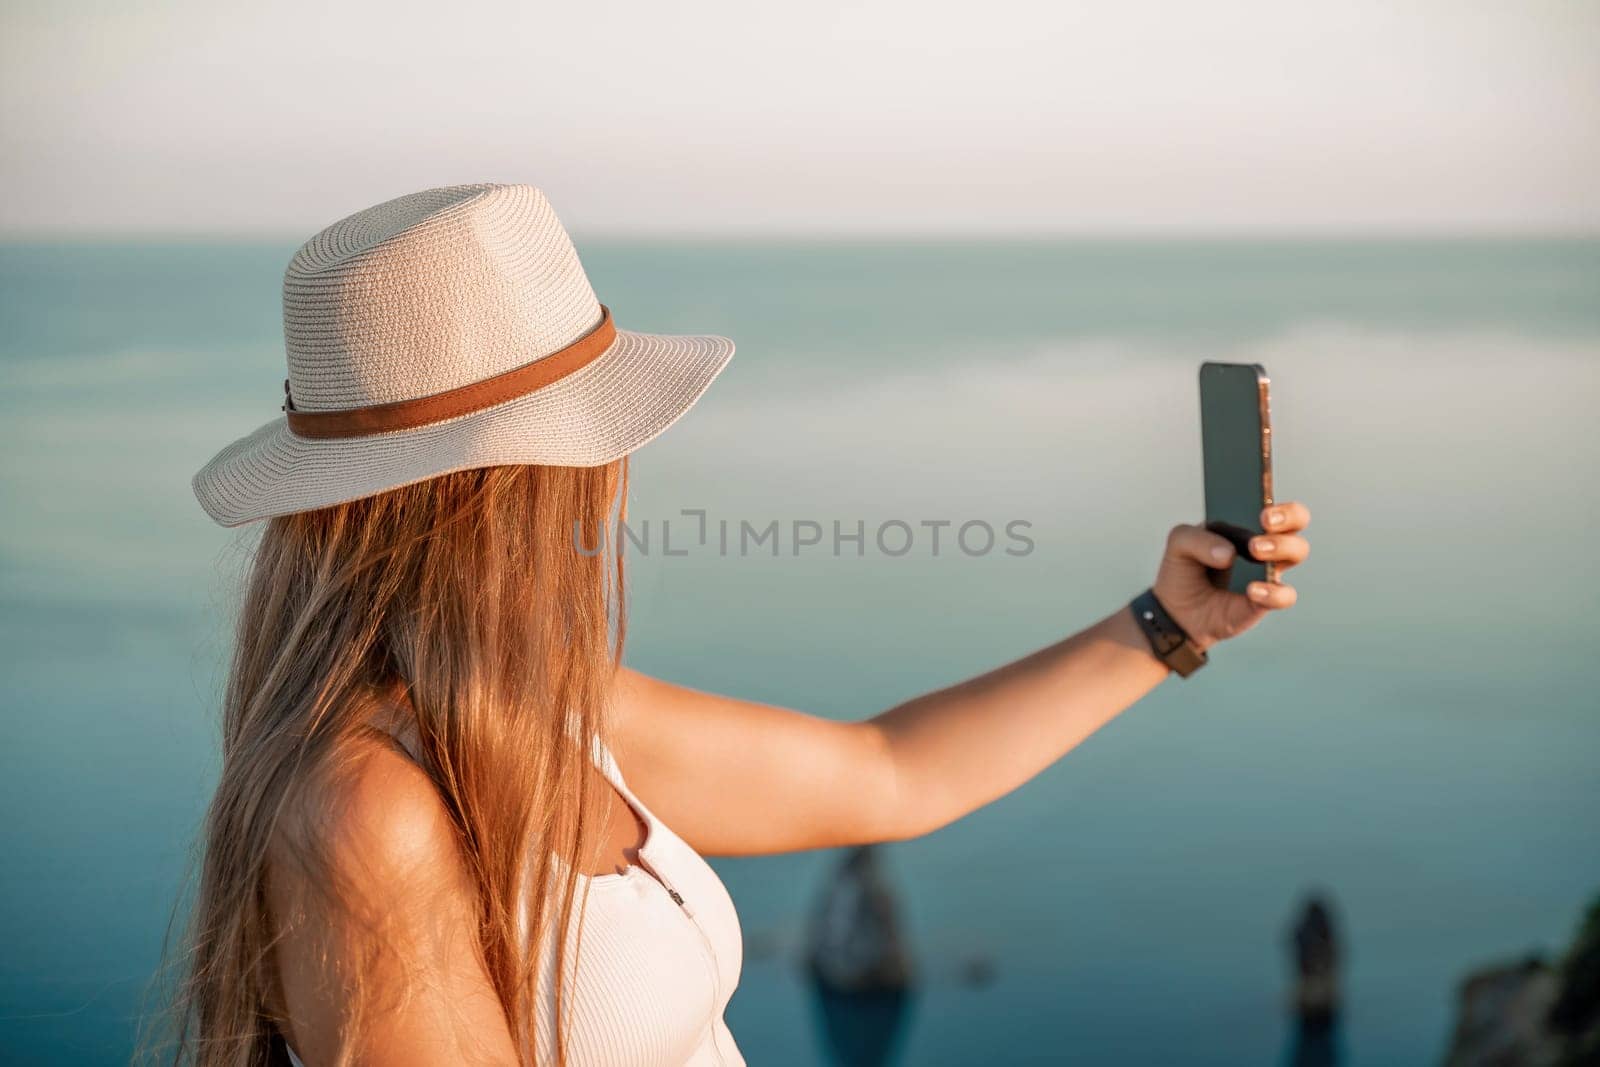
column 812, row 116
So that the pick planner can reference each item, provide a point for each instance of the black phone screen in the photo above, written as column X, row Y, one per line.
column 1236, row 440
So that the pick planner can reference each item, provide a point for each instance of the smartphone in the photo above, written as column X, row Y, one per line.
column 1236, row 440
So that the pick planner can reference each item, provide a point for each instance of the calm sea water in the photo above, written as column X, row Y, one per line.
column 1419, row 737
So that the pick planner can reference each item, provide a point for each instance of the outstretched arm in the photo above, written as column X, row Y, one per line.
column 734, row 777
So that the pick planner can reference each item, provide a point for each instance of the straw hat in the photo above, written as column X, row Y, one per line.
column 448, row 329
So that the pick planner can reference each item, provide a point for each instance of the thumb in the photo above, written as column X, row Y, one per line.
column 1197, row 544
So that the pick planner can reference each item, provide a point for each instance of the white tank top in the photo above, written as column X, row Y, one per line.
column 660, row 957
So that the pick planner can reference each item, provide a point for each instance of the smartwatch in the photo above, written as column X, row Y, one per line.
column 1168, row 640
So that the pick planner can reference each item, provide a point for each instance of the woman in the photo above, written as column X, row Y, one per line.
column 451, row 827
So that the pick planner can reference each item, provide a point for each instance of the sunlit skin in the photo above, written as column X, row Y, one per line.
column 732, row 777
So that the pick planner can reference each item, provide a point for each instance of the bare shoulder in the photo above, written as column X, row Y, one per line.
column 376, row 820
column 375, row 919
column 636, row 693
column 646, row 709
column 627, row 683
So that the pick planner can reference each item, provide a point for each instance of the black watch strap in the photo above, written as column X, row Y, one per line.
column 1168, row 640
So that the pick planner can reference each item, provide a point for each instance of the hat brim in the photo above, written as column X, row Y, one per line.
column 621, row 401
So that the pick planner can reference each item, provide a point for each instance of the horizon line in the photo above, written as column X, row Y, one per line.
column 1108, row 235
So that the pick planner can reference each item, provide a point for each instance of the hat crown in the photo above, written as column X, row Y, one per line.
column 429, row 292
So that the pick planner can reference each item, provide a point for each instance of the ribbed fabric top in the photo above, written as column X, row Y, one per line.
column 653, row 976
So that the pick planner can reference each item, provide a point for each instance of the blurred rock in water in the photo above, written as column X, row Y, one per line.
column 1576, row 1012
column 1529, row 1014
column 855, row 944
column 861, row 1029
column 1503, row 1016
column 1315, row 953
column 1315, row 946
column 861, row 971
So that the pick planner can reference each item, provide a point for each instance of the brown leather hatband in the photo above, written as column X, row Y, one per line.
column 409, row 414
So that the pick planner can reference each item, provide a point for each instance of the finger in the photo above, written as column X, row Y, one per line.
column 1272, row 595
column 1200, row 545
column 1283, row 549
column 1285, row 518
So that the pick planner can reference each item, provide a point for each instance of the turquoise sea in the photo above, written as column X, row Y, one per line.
column 1420, row 737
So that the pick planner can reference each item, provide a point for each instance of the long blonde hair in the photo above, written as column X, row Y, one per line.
column 471, row 596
